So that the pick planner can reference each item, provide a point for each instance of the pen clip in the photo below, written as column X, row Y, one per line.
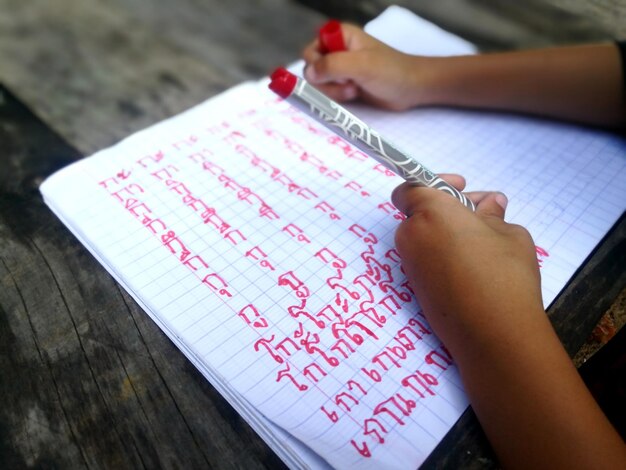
column 331, row 38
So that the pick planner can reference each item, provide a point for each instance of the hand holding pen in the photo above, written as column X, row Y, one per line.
column 582, row 83
column 329, row 113
column 346, row 63
column 475, row 276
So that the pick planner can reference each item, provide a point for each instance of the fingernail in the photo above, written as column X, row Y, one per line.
column 349, row 93
column 502, row 200
column 309, row 73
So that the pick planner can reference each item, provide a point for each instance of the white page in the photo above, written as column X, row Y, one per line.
column 261, row 145
column 566, row 183
column 207, row 326
column 402, row 30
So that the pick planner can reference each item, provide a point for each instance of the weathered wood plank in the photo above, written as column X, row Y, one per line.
column 607, row 15
column 501, row 24
column 88, row 380
column 98, row 71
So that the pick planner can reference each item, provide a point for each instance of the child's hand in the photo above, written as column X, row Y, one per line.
column 477, row 279
column 369, row 70
column 581, row 83
column 475, row 276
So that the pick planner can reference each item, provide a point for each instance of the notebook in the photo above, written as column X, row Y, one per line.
column 262, row 244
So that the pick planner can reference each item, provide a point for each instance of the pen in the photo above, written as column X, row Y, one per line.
column 331, row 38
column 299, row 93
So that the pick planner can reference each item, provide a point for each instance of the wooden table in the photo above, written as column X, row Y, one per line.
column 86, row 378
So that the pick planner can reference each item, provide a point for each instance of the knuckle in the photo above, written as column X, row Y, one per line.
column 316, row 67
column 522, row 236
column 408, row 234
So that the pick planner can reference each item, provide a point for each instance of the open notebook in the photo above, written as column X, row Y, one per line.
column 262, row 244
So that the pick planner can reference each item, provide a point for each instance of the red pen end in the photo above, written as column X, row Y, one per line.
column 331, row 37
column 283, row 82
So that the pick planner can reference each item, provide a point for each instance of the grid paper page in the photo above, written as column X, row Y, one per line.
column 264, row 245
column 565, row 183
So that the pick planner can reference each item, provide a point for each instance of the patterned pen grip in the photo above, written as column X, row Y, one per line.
column 336, row 117
column 415, row 173
column 438, row 183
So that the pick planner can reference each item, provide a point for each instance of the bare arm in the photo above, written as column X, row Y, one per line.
column 577, row 83
column 477, row 280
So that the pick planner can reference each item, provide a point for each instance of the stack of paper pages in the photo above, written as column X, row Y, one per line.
column 262, row 244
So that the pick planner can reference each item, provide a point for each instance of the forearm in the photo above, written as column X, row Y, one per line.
column 578, row 83
column 478, row 283
column 533, row 406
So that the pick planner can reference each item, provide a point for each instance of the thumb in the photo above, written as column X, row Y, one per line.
column 491, row 204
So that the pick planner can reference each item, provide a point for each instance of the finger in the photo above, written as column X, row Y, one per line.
column 311, row 52
column 339, row 91
column 408, row 197
column 355, row 38
column 477, row 196
column 491, row 204
column 330, row 36
column 338, row 67
column 454, row 179
column 398, row 196
column 404, row 197
column 340, row 37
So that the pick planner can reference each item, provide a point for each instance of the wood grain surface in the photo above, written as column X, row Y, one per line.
column 97, row 71
column 87, row 380
column 502, row 24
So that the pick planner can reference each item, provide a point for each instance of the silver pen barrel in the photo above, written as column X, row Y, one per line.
column 334, row 116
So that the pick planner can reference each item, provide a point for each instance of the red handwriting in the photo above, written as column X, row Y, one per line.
column 541, row 255
column 129, row 197
column 208, row 214
column 185, row 142
column 297, row 233
column 389, row 208
column 283, row 179
column 332, row 302
column 296, row 149
column 257, row 254
column 243, row 193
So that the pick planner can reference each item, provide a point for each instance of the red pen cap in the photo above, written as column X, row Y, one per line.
column 331, row 37
column 283, row 82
